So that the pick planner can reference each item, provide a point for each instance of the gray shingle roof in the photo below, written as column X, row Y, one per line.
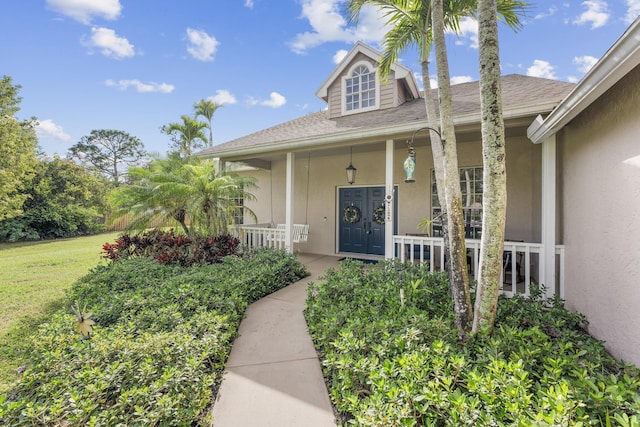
column 519, row 93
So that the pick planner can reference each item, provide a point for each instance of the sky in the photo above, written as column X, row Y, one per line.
column 136, row 65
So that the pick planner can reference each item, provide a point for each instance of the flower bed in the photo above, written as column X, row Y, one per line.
column 389, row 363
column 158, row 349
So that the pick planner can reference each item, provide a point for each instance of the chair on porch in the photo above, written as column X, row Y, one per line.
column 300, row 232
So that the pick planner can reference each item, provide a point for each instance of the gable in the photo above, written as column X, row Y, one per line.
column 399, row 87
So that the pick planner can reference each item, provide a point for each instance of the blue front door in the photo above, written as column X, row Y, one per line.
column 360, row 232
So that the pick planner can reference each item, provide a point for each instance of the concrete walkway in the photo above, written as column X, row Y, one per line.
column 273, row 376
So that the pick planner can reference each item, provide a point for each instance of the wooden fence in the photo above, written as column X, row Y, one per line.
column 121, row 224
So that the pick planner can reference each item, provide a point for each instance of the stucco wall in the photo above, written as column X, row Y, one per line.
column 601, row 216
column 327, row 174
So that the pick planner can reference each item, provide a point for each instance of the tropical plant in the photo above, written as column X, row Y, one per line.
column 422, row 23
column 186, row 136
column 142, row 202
column 109, row 152
column 207, row 108
column 184, row 190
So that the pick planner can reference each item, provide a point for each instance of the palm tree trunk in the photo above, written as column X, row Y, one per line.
column 436, row 145
column 458, row 276
column 494, row 175
column 181, row 216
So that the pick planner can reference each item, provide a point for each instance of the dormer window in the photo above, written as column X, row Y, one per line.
column 360, row 91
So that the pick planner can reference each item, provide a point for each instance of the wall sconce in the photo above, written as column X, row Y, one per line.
column 410, row 162
column 351, row 171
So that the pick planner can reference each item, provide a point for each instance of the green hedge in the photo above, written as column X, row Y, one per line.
column 161, row 339
column 393, row 364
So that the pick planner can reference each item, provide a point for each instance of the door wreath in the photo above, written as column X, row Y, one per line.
column 378, row 214
column 351, row 214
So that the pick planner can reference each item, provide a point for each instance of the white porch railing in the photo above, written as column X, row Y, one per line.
column 260, row 236
column 516, row 276
column 263, row 235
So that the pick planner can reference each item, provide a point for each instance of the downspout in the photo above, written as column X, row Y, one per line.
column 549, row 190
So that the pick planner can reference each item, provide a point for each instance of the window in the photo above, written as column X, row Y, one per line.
column 471, row 188
column 360, row 93
column 238, row 216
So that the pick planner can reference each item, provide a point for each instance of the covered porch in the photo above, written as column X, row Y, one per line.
column 301, row 209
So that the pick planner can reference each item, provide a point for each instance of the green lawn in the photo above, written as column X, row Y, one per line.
column 33, row 279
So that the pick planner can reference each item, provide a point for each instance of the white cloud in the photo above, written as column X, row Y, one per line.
column 551, row 11
column 468, row 32
column 461, row 79
column 585, row 63
column 85, row 10
column 223, row 97
column 328, row 25
column 597, row 14
column 202, row 46
column 109, row 43
column 275, row 100
column 248, row 3
column 48, row 129
column 542, row 69
column 339, row 56
column 251, row 101
column 141, row 87
column 633, row 11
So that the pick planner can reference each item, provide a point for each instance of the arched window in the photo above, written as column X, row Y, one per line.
column 360, row 90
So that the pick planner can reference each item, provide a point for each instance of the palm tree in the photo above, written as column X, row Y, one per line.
column 214, row 197
column 188, row 135
column 494, row 172
column 185, row 190
column 421, row 23
column 142, row 199
column 207, row 108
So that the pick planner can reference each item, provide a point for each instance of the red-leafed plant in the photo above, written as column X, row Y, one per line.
column 168, row 247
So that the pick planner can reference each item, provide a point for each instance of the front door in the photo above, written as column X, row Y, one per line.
column 361, row 226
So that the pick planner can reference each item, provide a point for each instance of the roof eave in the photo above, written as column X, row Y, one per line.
column 368, row 134
column 621, row 58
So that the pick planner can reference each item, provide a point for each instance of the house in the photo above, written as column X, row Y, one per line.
column 570, row 199
column 594, row 134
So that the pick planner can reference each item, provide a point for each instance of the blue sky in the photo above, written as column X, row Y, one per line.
column 136, row 65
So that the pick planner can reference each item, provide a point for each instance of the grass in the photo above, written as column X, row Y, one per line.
column 34, row 277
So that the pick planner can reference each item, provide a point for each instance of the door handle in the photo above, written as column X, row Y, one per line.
column 367, row 226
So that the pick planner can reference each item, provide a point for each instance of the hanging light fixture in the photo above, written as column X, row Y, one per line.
column 351, row 171
column 410, row 163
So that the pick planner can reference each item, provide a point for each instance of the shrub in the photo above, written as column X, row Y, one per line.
column 162, row 336
column 400, row 364
column 168, row 247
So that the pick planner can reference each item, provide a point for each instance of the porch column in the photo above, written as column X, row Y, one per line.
column 548, row 258
column 288, row 234
column 388, row 211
